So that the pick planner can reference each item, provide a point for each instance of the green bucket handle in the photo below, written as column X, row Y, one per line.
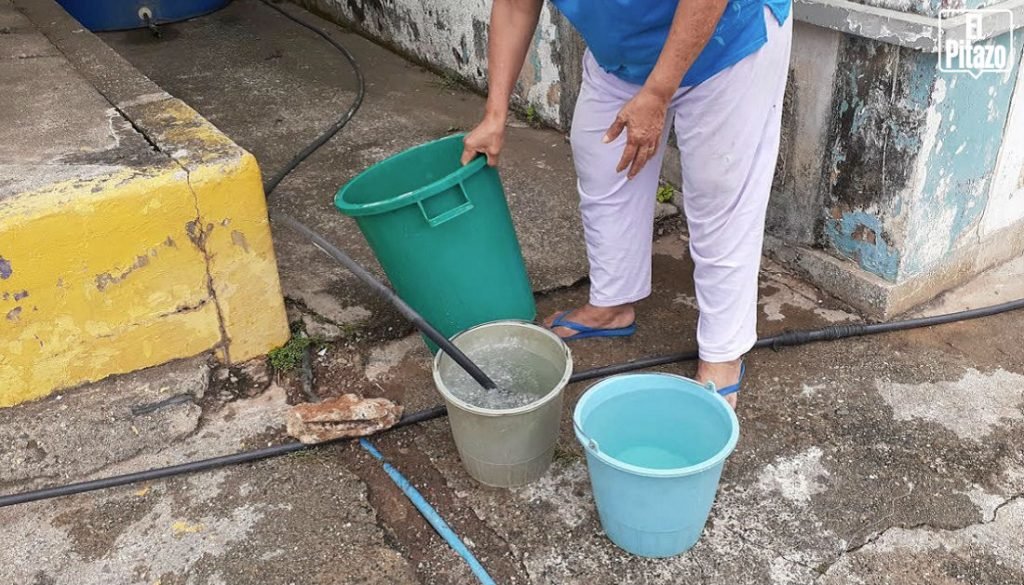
column 451, row 213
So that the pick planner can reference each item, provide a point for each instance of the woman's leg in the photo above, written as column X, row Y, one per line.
column 618, row 213
column 728, row 131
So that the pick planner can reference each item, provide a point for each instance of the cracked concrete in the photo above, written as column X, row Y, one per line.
column 888, row 459
column 199, row 241
column 989, row 550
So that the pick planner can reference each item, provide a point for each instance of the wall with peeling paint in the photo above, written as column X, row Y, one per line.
column 1006, row 197
column 929, row 7
column 913, row 157
column 452, row 35
column 966, row 117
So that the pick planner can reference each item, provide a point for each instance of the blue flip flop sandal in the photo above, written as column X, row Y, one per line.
column 584, row 332
column 735, row 387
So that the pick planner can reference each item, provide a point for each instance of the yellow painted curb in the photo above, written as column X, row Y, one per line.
column 138, row 267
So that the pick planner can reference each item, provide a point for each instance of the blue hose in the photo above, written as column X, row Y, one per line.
column 431, row 515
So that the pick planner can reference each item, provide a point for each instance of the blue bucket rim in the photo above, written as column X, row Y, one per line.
column 409, row 197
column 709, row 463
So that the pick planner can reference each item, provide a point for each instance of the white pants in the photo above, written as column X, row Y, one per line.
column 728, row 134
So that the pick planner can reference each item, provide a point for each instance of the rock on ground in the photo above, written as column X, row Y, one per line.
column 348, row 415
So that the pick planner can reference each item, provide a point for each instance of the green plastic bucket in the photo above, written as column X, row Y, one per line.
column 444, row 236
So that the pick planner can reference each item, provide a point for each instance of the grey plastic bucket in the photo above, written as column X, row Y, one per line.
column 506, row 448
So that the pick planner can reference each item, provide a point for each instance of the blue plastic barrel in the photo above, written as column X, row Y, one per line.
column 655, row 446
column 106, row 15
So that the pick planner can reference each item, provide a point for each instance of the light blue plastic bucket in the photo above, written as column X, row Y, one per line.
column 655, row 445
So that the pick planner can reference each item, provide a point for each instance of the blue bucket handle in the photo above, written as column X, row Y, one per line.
column 451, row 213
column 592, row 444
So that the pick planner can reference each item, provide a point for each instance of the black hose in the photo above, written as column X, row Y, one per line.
column 830, row 333
column 149, row 474
column 333, row 128
column 632, row 366
column 194, row 466
column 389, row 295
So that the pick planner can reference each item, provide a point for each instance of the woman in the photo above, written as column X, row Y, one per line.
column 717, row 69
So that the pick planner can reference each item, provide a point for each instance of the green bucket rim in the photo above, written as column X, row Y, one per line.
column 409, row 197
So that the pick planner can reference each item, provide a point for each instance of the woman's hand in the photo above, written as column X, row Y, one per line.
column 513, row 23
column 487, row 138
column 643, row 119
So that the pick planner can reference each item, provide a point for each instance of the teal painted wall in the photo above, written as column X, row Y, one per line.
column 913, row 151
column 959, row 168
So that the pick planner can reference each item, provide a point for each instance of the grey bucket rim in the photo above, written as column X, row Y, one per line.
column 705, row 465
column 490, row 412
column 409, row 197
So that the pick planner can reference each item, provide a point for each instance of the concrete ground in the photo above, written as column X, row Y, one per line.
column 890, row 459
column 73, row 133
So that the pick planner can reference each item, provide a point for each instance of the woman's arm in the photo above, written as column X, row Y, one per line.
column 513, row 23
column 643, row 117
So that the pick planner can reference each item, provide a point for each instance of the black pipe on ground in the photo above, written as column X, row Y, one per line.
column 831, row 333
column 193, row 466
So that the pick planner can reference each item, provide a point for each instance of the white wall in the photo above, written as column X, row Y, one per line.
column 1006, row 198
column 796, row 205
column 452, row 35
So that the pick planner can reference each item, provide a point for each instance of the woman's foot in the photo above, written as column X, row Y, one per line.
column 723, row 374
column 596, row 317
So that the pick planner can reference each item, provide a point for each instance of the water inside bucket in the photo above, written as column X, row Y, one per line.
column 521, row 375
column 656, row 429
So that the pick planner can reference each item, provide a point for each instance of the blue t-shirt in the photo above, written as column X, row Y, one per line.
column 626, row 36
